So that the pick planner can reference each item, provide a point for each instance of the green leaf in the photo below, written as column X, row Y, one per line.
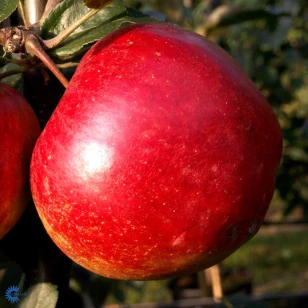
column 7, row 7
column 15, row 80
column 42, row 295
column 297, row 154
column 114, row 16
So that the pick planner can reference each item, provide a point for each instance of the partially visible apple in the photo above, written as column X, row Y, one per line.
column 19, row 130
column 159, row 160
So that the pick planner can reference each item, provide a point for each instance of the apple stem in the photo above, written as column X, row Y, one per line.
column 25, row 39
column 33, row 46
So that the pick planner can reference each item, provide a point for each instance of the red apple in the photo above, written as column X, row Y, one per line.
column 19, row 129
column 159, row 160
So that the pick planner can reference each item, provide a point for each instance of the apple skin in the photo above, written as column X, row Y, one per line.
column 160, row 159
column 19, row 130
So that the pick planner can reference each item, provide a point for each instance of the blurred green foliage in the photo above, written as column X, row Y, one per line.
column 278, row 261
column 269, row 39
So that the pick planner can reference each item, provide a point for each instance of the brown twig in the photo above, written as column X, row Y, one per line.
column 25, row 40
column 22, row 13
column 216, row 283
column 16, row 71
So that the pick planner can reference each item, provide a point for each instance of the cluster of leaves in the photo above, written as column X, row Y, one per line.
column 114, row 16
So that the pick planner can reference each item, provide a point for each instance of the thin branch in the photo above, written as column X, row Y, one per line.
column 23, row 14
column 216, row 283
column 16, row 71
column 286, row 223
column 20, row 62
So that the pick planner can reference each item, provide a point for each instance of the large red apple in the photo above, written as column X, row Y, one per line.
column 19, row 129
column 159, row 160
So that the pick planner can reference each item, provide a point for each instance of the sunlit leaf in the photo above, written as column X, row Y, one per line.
column 42, row 295
column 114, row 16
